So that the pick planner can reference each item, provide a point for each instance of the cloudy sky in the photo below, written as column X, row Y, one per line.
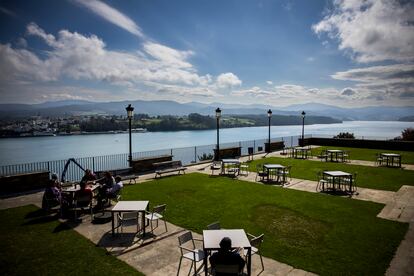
column 346, row 53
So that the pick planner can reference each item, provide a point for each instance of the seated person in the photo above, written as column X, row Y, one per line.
column 89, row 176
column 52, row 195
column 84, row 195
column 114, row 190
column 225, row 256
column 108, row 182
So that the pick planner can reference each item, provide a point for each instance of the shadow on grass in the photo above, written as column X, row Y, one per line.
column 36, row 214
column 42, row 220
column 61, row 227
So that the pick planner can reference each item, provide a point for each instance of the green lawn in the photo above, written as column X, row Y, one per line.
column 33, row 244
column 380, row 178
column 369, row 154
column 324, row 234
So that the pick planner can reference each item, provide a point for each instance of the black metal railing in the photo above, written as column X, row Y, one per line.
column 187, row 155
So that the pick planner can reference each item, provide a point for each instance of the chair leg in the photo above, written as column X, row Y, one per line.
column 261, row 260
column 179, row 266
column 165, row 223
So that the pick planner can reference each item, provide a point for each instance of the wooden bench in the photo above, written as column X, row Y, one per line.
column 126, row 174
column 168, row 167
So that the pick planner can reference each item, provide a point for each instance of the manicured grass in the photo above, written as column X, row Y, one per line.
column 324, row 234
column 369, row 154
column 380, row 178
column 33, row 244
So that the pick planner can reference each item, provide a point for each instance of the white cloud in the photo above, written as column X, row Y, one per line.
column 269, row 82
column 112, row 15
column 228, row 80
column 71, row 55
column 310, row 59
column 348, row 91
column 372, row 30
column 393, row 80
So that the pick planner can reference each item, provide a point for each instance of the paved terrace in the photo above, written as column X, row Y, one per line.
column 158, row 254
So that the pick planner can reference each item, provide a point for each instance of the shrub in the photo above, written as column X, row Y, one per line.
column 345, row 135
column 205, row 157
column 408, row 134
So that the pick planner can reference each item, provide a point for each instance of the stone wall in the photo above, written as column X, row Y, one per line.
column 23, row 182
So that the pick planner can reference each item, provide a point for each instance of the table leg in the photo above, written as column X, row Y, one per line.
column 249, row 261
column 143, row 223
column 205, row 262
column 113, row 224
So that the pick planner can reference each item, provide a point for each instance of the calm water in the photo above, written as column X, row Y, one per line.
column 23, row 150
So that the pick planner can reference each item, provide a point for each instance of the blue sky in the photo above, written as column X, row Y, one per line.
column 343, row 52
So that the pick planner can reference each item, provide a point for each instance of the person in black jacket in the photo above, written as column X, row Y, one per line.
column 225, row 256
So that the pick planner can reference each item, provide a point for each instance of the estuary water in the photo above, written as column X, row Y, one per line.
column 33, row 149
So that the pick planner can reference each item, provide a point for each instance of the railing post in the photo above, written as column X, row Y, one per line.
column 254, row 146
column 93, row 163
column 195, row 154
column 48, row 166
column 171, row 151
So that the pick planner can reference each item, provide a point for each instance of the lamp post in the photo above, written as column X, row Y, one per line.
column 269, row 115
column 303, row 128
column 218, row 115
column 130, row 114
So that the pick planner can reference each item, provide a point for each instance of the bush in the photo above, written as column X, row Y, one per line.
column 205, row 157
column 347, row 135
column 408, row 134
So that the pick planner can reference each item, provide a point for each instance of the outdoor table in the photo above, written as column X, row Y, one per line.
column 390, row 158
column 212, row 238
column 227, row 162
column 272, row 167
column 336, row 177
column 301, row 151
column 335, row 153
column 76, row 187
column 130, row 206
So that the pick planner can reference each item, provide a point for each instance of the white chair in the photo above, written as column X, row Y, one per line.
column 256, row 243
column 284, row 174
column 156, row 214
column 214, row 226
column 193, row 254
column 244, row 169
column 321, row 182
column 128, row 219
column 215, row 166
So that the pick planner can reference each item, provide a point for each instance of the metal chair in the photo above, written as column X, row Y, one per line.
column 214, row 226
column 323, row 155
column 345, row 156
column 285, row 173
column 192, row 254
column 256, row 243
column 321, row 182
column 378, row 159
column 82, row 202
column 351, row 183
column 260, row 172
column 128, row 219
column 224, row 269
column 244, row 169
column 156, row 214
column 216, row 165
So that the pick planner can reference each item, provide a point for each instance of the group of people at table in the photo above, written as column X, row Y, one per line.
column 104, row 188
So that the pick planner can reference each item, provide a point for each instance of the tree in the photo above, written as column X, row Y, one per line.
column 408, row 134
column 347, row 135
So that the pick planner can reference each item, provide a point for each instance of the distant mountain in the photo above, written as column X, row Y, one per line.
column 153, row 108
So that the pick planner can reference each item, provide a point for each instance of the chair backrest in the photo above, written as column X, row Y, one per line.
column 257, row 241
column 259, row 167
column 160, row 209
column 184, row 238
column 233, row 269
column 83, row 199
column 287, row 169
column 130, row 215
column 214, row 226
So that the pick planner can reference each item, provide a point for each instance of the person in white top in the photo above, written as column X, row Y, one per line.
column 114, row 190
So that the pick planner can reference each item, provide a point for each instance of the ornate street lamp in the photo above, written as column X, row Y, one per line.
column 130, row 115
column 303, row 128
column 218, row 115
column 269, row 115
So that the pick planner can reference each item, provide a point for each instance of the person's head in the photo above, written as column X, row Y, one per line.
column 54, row 176
column 108, row 174
column 118, row 179
column 225, row 244
column 88, row 172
